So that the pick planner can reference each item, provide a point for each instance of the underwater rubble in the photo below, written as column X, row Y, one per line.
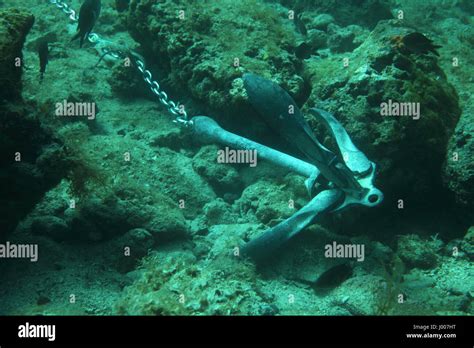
column 181, row 216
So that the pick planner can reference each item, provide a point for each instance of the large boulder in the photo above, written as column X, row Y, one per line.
column 199, row 49
column 14, row 26
column 408, row 150
column 459, row 165
column 31, row 162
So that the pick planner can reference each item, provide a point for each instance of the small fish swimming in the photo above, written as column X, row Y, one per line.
column 299, row 24
column 303, row 51
column 90, row 11
column 43, row 53
column 419, row 43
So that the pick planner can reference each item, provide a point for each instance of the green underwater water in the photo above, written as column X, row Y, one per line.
column 122, row 207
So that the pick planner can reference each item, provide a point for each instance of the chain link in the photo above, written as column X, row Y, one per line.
column 66, row 9
column 176, row 110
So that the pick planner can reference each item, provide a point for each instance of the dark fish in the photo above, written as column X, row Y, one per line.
column 43, row 53
column 299, row 24
column 90, row 11
column 330, row 278
column 303, row 51
column 334, row 276
column 419, row 43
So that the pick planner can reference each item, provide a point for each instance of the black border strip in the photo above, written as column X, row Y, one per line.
column 248, row 330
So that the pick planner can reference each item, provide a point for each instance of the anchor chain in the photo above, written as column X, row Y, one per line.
column 177, row 110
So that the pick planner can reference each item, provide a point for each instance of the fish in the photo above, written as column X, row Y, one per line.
column 299, row 24
column 333, row 276
column 330, row 278
column 43, row 53
column 419, row 43
column 90, row 11
column 303, row 51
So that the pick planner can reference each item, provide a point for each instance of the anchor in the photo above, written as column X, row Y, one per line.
column 346, row 178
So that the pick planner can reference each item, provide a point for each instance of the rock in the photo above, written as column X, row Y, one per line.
column 170, row 137
column 458, row 174
column 317, row 39
column 268, row 202
column 469, row 237
column 408, row 153
column 14, row 26
column 126, row 83
column 176, row 176
column 199, row 226
column 466, row 245
column 51, row 226
column 366, row 13
column 226, row 237
column 132, row 246
column 167, row 226
column 53, row 162
column 109, row 216
column 24, row 181
column 223, row 177
column 341, row 39
column 268, row 310
column 238, row 92
column 416, row 252
column 321, row 22
column 200, row 53
column 455, row 276
column 224, row 286
column 218, row 212
column 418, row 280
column 102, row 219
column 140, row 239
